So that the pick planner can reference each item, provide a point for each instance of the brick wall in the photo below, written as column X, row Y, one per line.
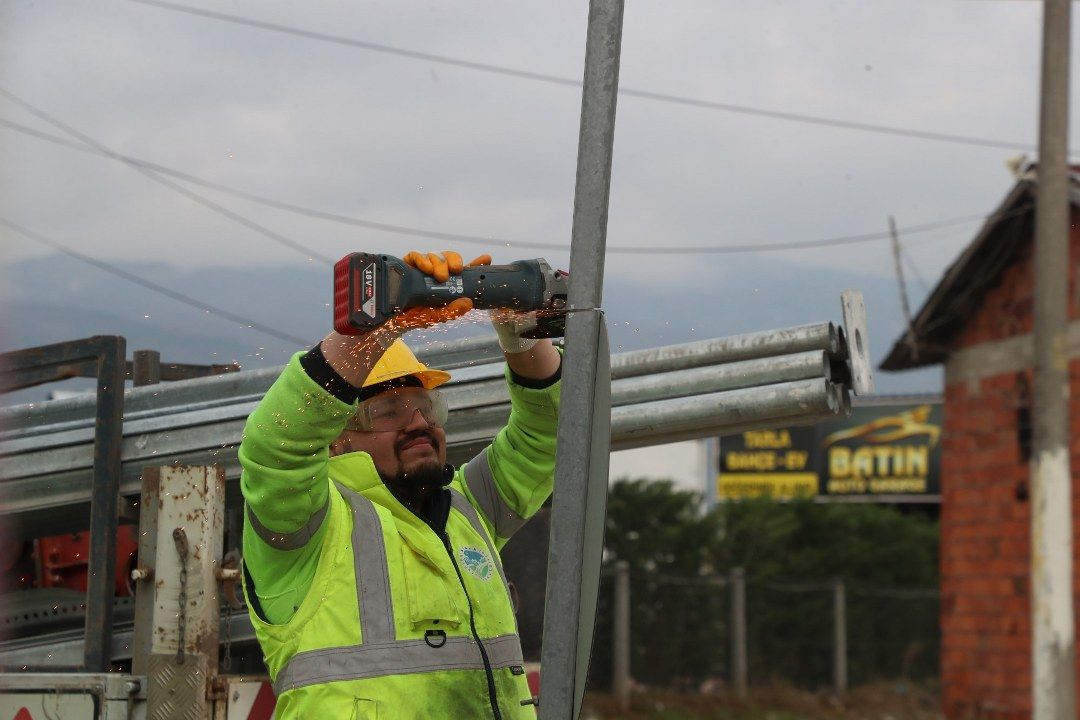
column 985, row 514
column 984, row 550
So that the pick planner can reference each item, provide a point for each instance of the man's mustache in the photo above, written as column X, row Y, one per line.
column 400, row 444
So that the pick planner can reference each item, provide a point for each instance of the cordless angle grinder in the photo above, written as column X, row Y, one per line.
column 371, row 288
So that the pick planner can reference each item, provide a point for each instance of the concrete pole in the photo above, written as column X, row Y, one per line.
column 620, row 646
column 1053, row 655
column 840, row 668
column 738, row 633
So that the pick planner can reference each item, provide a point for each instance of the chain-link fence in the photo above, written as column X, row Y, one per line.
column 693, row 632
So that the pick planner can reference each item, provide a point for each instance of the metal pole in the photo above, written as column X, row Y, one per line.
column 581, row 468
column 104, row 504
column 1053, row 636
column 490, row 389
column 739, row 662
column 840, row 669
column 728, row 408
column 145, row 367
column 42, row 486
column 728, row 376
column 620, row 646
column 750, row 346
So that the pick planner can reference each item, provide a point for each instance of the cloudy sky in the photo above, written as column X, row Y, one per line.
column 382, row 137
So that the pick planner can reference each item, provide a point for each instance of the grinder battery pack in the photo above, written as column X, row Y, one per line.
column 370, row 288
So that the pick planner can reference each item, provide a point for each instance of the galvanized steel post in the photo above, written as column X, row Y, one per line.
column 749, row 346
column 46, row 453
column 580, row 497
column 1053, row 684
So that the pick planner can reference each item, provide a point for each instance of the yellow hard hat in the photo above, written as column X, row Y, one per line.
column 399, row 361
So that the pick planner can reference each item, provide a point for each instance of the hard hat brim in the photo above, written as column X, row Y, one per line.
column 432, row 379
column 428, row 377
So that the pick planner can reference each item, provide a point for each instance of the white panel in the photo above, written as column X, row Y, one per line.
column 43, row 706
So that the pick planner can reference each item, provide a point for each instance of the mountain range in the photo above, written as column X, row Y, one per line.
column 58, row 298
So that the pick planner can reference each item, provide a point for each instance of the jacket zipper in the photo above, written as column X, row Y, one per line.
column 472, row 626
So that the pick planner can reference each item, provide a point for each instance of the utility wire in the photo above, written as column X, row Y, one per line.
column 488, row 240
column 156, row 177
column 160, row 289
column 571, row 82
column 271, row 202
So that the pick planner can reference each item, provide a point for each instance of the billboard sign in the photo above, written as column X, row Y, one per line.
column 891, row 452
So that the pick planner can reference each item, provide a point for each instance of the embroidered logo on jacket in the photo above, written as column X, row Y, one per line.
column 477, row 563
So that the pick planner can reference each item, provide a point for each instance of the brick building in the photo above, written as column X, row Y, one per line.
column 978, row 323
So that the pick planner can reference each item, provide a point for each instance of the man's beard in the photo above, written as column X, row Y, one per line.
column 412, row 486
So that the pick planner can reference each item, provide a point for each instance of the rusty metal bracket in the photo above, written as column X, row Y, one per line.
column 145, row 368
column 141, row 574
column 229, row 574
column 105, row 354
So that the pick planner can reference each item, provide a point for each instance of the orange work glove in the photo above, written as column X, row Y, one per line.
column 440, row 267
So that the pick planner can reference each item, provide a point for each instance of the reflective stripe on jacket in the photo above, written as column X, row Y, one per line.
column 399, row 622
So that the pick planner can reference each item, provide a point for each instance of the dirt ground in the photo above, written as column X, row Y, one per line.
column 882, row 701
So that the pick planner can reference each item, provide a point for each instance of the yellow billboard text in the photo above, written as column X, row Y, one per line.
column 879, row 461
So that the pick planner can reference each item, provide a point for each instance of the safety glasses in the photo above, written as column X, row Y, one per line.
column 395, row 410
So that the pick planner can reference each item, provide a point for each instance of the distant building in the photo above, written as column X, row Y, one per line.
column 978, row 323
column 686, row 464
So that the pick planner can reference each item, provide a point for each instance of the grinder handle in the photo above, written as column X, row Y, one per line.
column 518, row 285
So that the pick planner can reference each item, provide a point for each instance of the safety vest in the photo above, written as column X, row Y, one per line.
column 399, row 622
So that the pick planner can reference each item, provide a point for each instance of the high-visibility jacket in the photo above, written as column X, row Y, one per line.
column 395, row 616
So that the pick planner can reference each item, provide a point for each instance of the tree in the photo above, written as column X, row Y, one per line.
column 679, row 555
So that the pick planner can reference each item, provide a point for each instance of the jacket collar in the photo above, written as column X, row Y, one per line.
column 356, row 471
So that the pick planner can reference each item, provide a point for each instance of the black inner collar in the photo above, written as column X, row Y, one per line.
column 435, row 509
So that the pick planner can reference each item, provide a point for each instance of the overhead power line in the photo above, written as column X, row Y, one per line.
column 488, row 240
column 149, row 285
column 151, row 174
column 572, row 82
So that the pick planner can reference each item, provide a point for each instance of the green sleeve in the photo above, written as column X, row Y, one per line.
column 284, row 454
column 513, row 477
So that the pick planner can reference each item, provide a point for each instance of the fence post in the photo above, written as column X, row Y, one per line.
column 620, row 651
column 146, row 367
column 738, row 632
column 840, row 669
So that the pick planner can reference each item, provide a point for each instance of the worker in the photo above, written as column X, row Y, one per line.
column 372, row 569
